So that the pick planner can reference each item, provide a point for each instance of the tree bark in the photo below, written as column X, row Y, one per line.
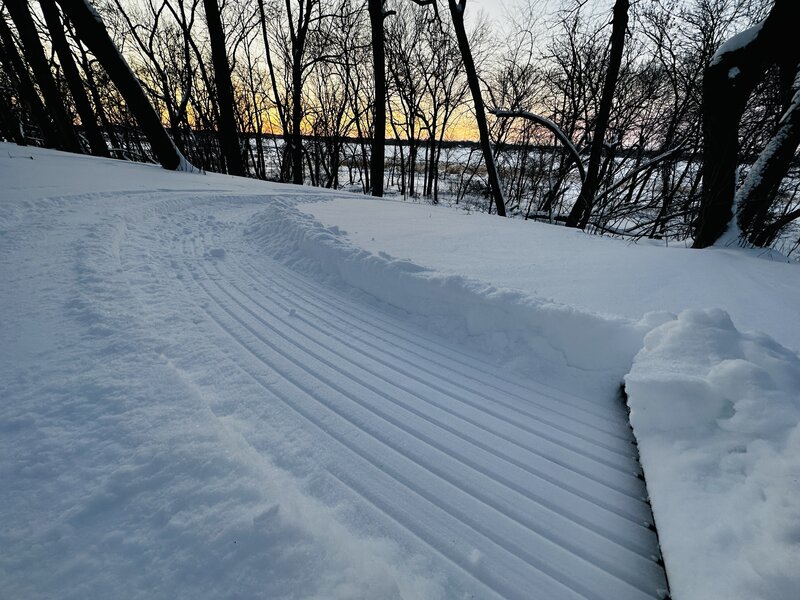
column 34, row 52
column 229, row 139
column 582, row 209
column 378, row 158
column 298, row 33
column 728, row 81
column 97, row 143
column 495, row 187
column 92, row 31
column 297, row 115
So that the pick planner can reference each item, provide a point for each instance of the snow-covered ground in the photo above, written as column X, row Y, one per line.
column 209, row 394
column 759, row 289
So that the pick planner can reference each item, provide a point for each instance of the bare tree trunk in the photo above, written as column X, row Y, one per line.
column 9, row 124
column 278, row 105
column 92, row 32
column 728, row 81
column 98, row 104
column 229, row 139
column 377, row 164
column 298, row 33
column 16, row 70
column 92, row 131
column 755, row 196
column 495, row 187
column 581, row 211
column 34, row 52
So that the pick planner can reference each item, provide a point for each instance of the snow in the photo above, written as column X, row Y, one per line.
column 717, row 415
column 216, row 387
column 192, row 411
column 715, row 410
column 601, row 275
column 771, row 152
column 737, row 42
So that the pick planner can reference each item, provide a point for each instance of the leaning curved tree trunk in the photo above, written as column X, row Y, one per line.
column 457, row 14
column 229, row 139
column 97, row 143
column 582, row 209
column 756, row 194
column 92, row 32
column 730, row 78
column 34, row 52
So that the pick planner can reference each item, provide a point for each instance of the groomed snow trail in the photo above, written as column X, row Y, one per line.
column 199, row 420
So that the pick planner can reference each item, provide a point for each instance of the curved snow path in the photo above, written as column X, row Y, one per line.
column 203, row 396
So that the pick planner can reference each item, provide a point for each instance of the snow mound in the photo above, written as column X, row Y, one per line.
column 717, row 415
column 539, row 337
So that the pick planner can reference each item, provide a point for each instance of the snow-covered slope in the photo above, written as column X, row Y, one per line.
column 716, row 411
column 209, row 394
column 759, row 289
column 185, row 416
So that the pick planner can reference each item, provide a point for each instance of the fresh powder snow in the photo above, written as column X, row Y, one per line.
column 222, row 388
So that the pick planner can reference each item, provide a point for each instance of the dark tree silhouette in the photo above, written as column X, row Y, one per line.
column 582, row 209
column 377, row 14
column 9, row 124
column 21, row 16
column 298, row 33
column 18, row 74
column 92, row 32
column 229, row 139
column 729, row 80
column 55, row 27
column 457, row 15
column 759, row 189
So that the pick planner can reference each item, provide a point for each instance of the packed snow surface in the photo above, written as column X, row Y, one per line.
column 210, row 393
column 194, row 407
column 715, row 410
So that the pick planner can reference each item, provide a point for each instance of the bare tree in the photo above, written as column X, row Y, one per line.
column 377, row 14
column 457, row 8
column 729, row 80
column 581, row 210
column 34, row 52
column 92, row 32
column 19, row 76
column 222, row 77
column 298, row 34
column 84, row 107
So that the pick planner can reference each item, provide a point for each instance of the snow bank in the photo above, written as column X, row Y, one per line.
column 715, row 411
column 717, row 415
column 539, row 337
column 596, row 274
